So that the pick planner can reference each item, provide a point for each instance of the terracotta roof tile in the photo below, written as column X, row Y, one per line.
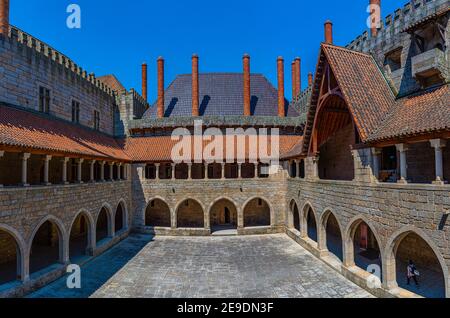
column 112, row 82
column 24, row 129
column 366, row 91
column 424, row 112
column 160, row 148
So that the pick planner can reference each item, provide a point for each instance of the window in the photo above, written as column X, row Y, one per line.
column 44, row 100
column 394, row 59
column 75, row 111
column 96, row 120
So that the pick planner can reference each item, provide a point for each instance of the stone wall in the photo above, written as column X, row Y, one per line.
column 421, row 163
column 390, row 210
column 23, row 211
column 336, row 161
column 27, row 65
column 207, row 192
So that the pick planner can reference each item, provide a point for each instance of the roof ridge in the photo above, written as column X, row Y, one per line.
column 342, row 48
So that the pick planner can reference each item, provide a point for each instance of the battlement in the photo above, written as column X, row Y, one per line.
column 395, row 24
column 301, row 102
column 15, row 34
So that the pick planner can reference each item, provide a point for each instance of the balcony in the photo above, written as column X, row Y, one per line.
column 430, row 67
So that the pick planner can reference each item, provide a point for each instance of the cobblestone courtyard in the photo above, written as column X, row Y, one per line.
column 251, row 266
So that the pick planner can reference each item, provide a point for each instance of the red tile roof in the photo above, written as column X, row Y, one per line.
column 421, row 113
column 366, row 91
column 112, row 82
column 160, row 148
column 24, row 129
column 364, row 88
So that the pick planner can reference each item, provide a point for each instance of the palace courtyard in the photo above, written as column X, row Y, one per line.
column 198, row 267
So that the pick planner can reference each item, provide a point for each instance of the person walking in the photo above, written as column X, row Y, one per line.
column 412, row 272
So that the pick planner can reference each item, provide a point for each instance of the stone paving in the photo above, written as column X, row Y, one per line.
column 198, row 267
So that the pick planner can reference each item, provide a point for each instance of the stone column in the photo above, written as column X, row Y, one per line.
column 239, row 170
column 119, row 167
column 111, row 171
column 402, row 148
column 223, row 170
column 206, row 171
column 376, row 157
column 172, row 171
column 438, row 144
column 25, row 157
column 64, row 161
column 256, row 170
column 79, row 170
column 312, row 168
column 157, row 165
column 189, row 171
column 2, row 153
column 91, row 171
column 102, row 171
column 46, row 169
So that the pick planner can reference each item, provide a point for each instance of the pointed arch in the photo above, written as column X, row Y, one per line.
column 157, row 213
column 48, row 244
column 190, row 213
column 391, row 259
column 14, row 268
column 257, row 211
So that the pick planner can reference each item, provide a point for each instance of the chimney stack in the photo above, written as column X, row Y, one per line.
column 298, row 79
column 144, row 81
column 246, row 61
column 375, row 16
column 294, row 77
column 310, row 79
column 281, row 101
column 195, row 86
column 4, row 17
column 160, row 87
column 328, row 32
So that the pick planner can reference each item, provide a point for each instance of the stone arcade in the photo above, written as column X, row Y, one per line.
column 364, row 156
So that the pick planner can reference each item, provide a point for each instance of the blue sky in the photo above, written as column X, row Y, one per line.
column 117, row 36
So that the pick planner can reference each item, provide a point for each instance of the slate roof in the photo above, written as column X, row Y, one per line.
column 159, row 148
column 25, row 129
column 220, row 94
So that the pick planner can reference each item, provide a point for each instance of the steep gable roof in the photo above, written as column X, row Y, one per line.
column 364, row 89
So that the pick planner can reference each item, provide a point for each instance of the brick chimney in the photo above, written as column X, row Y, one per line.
column 294, row 85
column 310, row 79
column 298, row 78
column 246, row 62
column 375, row 12
column 4, row 17
column 281, row 101
column 195, row 86
column 328, row 32
column 160, row 87
column 144, row 81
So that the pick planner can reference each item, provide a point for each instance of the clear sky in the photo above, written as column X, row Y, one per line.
column 117, row 36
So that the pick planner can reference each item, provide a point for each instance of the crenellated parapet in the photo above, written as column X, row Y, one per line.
column 302, row 101
column 392, row 27
column 44, row 50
